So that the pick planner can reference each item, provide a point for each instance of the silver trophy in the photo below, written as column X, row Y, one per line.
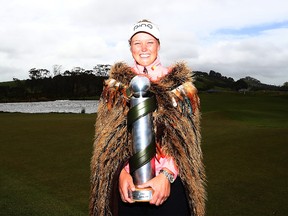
column 142, row 163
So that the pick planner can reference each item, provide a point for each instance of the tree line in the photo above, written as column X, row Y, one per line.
column 42, row 85
column 88, row 84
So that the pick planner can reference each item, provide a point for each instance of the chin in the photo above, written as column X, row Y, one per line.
column 146, row 63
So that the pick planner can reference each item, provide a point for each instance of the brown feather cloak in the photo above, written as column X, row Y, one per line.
column 177, row 131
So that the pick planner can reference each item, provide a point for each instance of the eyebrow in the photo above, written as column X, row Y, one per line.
column 143, row 40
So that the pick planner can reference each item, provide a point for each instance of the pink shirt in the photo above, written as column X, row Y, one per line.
column 155, row 72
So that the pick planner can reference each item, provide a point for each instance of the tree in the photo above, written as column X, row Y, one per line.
column 240, row 84
column 67, row 73
column 38, row 73
column 57, row 69
column 34, row 73
column 251, row 80
column 214, row 74
column 77, row 71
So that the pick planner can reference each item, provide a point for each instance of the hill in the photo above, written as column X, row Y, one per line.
column 214, row 81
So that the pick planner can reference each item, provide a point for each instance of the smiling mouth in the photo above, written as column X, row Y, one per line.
column 144, row 55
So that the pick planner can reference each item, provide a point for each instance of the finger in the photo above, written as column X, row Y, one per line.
column 122, row 195
column 132, row 186
column 158, row 202
column 123, row 199
column 158, row 199
column 154, row 199
column 129, row 197
column 126, row 196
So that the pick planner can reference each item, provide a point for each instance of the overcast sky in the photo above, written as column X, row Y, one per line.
column 237, row 38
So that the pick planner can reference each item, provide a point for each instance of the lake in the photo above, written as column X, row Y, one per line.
column 58, row 106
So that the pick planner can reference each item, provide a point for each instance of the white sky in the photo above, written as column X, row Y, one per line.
column 237, row 38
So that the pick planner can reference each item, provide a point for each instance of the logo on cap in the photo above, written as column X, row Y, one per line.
column 143, row 25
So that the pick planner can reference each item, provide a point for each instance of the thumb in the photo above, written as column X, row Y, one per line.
column 131, row 185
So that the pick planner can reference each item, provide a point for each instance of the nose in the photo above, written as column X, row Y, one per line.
column 144, row 47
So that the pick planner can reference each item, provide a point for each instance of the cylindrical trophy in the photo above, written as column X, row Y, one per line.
column 140, row 122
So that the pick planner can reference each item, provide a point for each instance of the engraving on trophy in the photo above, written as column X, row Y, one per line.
column 142, row 195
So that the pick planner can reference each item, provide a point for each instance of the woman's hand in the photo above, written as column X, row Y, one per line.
column 161, row 187
column 126, row 185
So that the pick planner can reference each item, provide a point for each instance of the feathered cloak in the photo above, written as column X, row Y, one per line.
column 177, row 131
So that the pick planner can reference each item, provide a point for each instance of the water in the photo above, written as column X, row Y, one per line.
column 58, row 106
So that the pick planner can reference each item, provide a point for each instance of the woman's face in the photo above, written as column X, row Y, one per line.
column 144, row 48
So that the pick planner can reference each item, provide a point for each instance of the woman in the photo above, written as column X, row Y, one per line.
column 177, row 134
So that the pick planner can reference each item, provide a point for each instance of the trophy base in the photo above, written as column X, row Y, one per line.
column 142, row 195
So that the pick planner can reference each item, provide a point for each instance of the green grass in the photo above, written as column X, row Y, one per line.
column 245, row 153
column 44, row 158
column 45, row 163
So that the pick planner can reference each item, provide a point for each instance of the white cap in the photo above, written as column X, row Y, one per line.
column 147, row 27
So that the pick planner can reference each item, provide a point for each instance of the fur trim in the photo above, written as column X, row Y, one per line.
column 177, row 131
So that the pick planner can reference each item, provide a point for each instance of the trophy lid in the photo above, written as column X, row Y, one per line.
column 140, row 85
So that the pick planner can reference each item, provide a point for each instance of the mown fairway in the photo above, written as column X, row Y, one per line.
column 44, row 158
column 45, row 163
column 245, row 149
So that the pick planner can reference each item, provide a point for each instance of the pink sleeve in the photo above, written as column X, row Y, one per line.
column 166, row 162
